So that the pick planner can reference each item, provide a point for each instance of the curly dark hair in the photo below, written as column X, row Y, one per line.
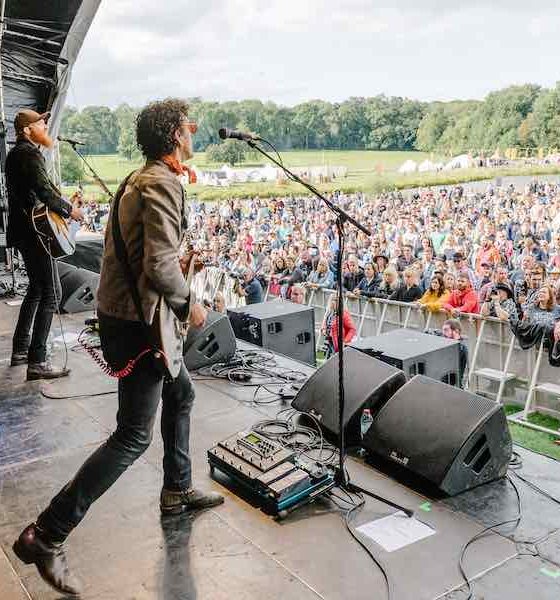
column 156, row 124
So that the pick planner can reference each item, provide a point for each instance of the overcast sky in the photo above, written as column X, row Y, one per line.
column 290, row 51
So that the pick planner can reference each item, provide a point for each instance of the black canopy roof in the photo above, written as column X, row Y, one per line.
column 40, row 42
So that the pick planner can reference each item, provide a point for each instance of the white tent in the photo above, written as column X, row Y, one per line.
column 552, row 158
column 230, row 173
column 463, row 161
column 427, row 166
column 408, row 166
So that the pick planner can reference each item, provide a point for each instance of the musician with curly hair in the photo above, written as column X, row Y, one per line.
column 151, row 218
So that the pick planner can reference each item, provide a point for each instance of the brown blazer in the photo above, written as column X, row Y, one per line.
column 150, row 216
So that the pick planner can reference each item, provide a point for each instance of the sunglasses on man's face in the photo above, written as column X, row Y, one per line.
column 192, row 126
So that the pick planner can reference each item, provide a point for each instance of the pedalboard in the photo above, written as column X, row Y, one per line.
column 268, row 472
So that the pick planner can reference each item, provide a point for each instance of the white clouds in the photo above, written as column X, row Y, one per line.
column 291, row 50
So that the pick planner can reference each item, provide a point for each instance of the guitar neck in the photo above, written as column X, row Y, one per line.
column 190, row 280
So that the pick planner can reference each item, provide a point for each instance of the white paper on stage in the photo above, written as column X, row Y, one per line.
column 396, row 531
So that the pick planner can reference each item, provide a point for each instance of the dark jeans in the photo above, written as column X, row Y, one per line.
column 39, row 304
column 138, row 396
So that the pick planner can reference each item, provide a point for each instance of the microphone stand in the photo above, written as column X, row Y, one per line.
column 95, row 176
column 342, row 479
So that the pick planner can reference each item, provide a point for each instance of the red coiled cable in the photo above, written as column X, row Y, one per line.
column 102, row 363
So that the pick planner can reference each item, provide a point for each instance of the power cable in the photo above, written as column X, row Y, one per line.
column 482, row 533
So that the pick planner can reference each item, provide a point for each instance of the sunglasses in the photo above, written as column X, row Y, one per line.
column 192, row 126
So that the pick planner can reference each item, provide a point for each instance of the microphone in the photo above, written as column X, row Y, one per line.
column 226, row 133
column 69, row 141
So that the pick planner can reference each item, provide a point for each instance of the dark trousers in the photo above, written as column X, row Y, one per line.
column 39, row 304
column 138, row 395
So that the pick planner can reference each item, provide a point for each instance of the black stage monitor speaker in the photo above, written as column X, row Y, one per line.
column 213, row 342
column 451, row 438
column 416, row 353
column 368, row 383
column 79, row 288
column 283, row 327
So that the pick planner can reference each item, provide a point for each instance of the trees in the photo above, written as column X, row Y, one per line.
column 310, row 125
column 354, row 125
column 544, row 122
column 96, row 126
column 229, row 151
column 497, row 120
column 431, row 129
column 71, row 170
column 521, row 115
column 126, row 119
column 393, row 122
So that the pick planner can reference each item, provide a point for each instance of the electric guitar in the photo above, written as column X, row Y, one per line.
column 52, row 231
column 169, row 332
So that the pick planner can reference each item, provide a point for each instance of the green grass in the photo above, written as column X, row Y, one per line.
column 368, row 171
column 113, row 167
column 532, row 439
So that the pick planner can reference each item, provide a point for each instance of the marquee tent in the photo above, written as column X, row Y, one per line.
column 428, row 166
column 408, row 166
column 463, row 161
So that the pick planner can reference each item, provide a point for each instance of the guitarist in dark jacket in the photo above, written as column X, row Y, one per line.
column 150, row 215
column 28, row 184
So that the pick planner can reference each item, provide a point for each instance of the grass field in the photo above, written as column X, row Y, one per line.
column 530, row 438
column 368, row 171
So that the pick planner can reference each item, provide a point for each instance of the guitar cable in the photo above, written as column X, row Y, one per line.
column 102, row 363
column 54, row 270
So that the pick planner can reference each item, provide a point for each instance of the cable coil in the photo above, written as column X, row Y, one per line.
column 102, row 363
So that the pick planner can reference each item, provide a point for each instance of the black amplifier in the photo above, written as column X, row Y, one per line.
column 281, row 326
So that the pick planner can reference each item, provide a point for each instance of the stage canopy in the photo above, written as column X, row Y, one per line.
column 40, row 41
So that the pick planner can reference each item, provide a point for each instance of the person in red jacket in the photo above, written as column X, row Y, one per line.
column 329, row 327
column 464, row 299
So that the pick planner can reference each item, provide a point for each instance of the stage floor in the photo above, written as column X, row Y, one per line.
column 125, row 551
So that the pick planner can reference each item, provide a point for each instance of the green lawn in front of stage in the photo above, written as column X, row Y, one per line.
column 538, row 441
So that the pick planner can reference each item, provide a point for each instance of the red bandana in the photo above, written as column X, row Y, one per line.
column 178, row 168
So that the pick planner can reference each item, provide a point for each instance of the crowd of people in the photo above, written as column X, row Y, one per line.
column 495, row 252
column 94, row 214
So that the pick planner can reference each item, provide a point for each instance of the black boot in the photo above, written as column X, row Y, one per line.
column 174, row 503
column 48, row 557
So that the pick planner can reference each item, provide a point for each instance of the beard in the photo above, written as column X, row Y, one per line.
column 42, row 138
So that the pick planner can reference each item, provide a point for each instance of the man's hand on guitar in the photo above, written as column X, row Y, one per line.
column 77, row 214
column 185, row 262
column 197, row 315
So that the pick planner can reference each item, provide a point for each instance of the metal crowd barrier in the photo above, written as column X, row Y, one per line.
column 498, row 367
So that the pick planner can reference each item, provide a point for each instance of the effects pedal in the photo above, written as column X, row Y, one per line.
column 268, row 472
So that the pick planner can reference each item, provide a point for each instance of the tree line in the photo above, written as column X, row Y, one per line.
column 517, row 116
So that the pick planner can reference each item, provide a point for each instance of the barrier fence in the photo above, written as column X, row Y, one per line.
column 498, row 367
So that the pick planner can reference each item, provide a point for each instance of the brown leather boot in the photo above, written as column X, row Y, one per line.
column 45, row 370
column 175, row 503
column 49, row 558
